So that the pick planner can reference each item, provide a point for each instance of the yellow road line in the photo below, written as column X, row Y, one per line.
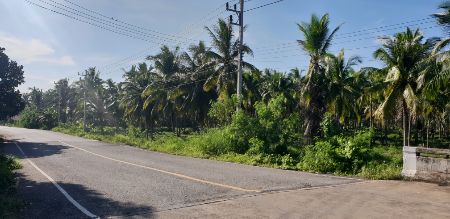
column 164, row 171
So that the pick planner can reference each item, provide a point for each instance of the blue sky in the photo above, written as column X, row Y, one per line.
column 52, row 46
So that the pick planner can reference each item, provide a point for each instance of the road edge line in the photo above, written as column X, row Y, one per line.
column 64, row 192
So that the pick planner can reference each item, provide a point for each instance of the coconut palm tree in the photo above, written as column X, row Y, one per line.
column 136, row 81
column 161, row 95
column 224, row 58
column 372, row 86
column 443, row 17
column 35, row 98
column 197, row 67
column 342, row 88
column 317, row 40
column 403, row 56
column 63, row 91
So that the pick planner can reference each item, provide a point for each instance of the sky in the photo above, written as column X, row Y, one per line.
column 52, row 46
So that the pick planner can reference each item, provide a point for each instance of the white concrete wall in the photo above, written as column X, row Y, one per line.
column 429, row 167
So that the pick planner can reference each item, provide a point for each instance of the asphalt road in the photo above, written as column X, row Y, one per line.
column 92, row 178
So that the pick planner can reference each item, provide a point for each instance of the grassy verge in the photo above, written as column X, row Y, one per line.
column 9, row 203
column 379, row 162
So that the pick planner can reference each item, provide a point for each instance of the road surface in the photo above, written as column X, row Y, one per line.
column 70, row 177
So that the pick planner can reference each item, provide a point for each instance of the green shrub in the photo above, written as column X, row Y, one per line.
column 9, row 203
column 338, row 154
column 135, row 132
column 214, row 142
column 272, row 131
column 29, row 118
column 353, row 151
column 222, row 110
column 383, row 171
column 330, row 127
column 320, row 157
column 35, row 119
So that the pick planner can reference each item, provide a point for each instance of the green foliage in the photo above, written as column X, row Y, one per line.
column 135, row 132
column 330, row 127
column 352, row 155
column 11, row 76
column 37, row 119
column 353, row 150
column 214, row 142
column 320, row 157
column 9, row 203
column 270, row 132
column 222, row 110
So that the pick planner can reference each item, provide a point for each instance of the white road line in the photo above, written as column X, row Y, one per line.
column 164, row 171
column 68, row 197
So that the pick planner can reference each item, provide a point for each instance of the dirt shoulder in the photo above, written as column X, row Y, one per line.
column 372, row 199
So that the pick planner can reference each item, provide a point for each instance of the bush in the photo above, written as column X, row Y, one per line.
column 222, row 110
column 35, row 119
column 272, row 131
column 135, row 132
column 320, row 157
column 213, row 143
column 353, row 151
column 9, row 203
column 338, row 154
column 330, row 127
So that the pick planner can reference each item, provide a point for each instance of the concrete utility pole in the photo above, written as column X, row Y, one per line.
column 240, row 23
column 59, row 102
column 84, row 100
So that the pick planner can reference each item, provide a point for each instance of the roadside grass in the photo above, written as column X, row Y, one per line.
column 381, row 162
column 10, row 204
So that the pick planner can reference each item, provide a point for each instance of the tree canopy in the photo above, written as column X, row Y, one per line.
column 11, row 76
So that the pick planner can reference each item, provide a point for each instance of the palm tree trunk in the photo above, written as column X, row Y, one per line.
column 404, row 124
column 371, row 112
column 428, row 131
column 409, row 129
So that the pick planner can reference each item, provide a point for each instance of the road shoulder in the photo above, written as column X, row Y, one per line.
column 371, row 199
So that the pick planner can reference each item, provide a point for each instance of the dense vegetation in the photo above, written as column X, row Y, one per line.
column 333, row 119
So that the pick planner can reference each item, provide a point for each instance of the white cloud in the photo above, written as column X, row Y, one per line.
column 32, row 51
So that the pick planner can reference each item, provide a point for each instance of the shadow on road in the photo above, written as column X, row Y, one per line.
column 43, row 200
column 32, row 149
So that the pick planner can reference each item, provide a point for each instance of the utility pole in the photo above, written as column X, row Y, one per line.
column 240, row 23
column 59, row 102
column 84, row 100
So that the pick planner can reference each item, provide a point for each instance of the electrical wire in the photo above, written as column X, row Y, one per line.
column 265, row 5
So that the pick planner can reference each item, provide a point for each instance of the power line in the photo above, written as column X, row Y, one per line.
column 135, row 56
column 382, row 30
column 265, row 5
column 120, row 21
column 290, row 48
column 91, row 23
column 103, row 22
column 356, row 33
column 138, row 56
column 387, row 26
column 207, row 17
